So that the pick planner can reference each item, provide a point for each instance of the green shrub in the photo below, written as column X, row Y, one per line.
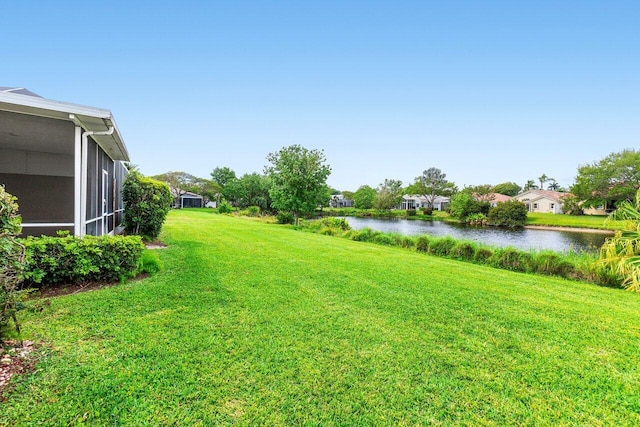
column 441, row 247
column 463, row 251
column 224, row 207
column 146, row 203
column 422, row 244
column 411, row 212
column 512, row 259
column 11, row 265
column 285, row 217
column 427, row 211
column 71, row 260
column 364, row 235
column 512, row 214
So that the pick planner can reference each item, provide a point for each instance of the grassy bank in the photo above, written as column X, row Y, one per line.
column 252, row 323
column 580, row 221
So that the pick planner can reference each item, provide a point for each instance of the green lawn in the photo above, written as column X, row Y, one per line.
column 258, row 324
column 580, row 221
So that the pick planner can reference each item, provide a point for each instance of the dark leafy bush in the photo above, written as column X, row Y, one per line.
column 411, row 212
column 512, row 259
column 512, row 214
column 146, row 203
column 441, row 247
column 427, row 211
column 11, row 264
column 463, row 251
column 284, row 217
column 422, row 245
column 71, row 260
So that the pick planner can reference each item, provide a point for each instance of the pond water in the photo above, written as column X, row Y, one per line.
column 556, row 240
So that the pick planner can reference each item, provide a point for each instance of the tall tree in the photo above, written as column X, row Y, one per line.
column 607, row 182
column 507, row 188
column 432, row 183
column 249, row 190
column 222, row 175
column 389, row 194
column 554, row 186
column 543, row 178
column 299, row 179
column 364, row 197
column 530, row 185
column 179, row 182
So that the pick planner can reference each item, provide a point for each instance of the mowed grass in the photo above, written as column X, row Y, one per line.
column 258, row 324
column 579, row 221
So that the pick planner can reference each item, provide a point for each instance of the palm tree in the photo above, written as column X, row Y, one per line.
column 543, row 178
column 620, row 254
column 554, row 185
column 530, row 185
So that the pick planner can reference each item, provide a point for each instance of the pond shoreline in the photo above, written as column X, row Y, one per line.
column 576, row 229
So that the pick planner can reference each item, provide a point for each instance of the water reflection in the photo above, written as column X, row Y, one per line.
column 555, row 240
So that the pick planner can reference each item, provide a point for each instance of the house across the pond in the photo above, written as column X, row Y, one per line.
column 542, row 200
column 64, row 163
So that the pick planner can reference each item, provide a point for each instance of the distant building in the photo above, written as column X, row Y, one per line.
column 545, row 201
column 189, row 200
column 339, row 201
column 440, row 203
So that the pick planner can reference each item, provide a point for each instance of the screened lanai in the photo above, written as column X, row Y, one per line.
column 64, row 163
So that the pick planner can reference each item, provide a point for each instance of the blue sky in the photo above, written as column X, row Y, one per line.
column 487, row 91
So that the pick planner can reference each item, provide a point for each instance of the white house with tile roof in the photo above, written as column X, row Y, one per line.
column 544, row 201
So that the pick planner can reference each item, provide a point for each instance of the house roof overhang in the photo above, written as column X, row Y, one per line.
column 88, row 118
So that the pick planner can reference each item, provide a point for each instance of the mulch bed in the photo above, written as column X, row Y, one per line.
column 16, row 359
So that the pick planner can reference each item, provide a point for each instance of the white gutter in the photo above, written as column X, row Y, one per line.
column 83, row 179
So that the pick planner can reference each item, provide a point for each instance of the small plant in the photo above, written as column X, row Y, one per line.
column 427, row 211
column 411, row 212
column 285, row 217
column 422, row 245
